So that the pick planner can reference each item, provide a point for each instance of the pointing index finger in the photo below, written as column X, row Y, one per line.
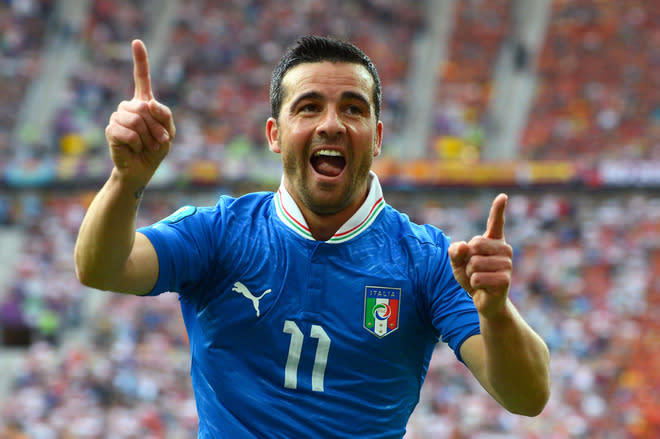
column 141, row 71
column 495, row 225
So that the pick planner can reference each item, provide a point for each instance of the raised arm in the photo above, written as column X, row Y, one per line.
column 508, row 358
column 109, row 254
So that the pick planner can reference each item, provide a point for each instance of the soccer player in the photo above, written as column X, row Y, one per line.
column 312, row 312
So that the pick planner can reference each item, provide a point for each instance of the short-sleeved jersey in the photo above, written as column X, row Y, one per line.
column 296, row 338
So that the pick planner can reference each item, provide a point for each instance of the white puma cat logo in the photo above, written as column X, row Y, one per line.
column 242, row 289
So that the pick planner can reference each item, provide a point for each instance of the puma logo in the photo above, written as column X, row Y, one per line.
column 242, row 289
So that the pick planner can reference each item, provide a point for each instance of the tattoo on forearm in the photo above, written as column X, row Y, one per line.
column 138, row 196
column 138, row 193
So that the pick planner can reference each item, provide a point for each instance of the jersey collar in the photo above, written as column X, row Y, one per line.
column 289, row 213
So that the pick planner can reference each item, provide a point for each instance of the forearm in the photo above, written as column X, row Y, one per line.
column 107, row 233
column 517, row 362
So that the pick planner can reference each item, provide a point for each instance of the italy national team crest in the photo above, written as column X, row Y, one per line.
column 381, row 310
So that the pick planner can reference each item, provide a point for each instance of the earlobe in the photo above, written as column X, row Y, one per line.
column 272, row 135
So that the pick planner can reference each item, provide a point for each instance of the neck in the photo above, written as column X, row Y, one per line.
column 323, row 227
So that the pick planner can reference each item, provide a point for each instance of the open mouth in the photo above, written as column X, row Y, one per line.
column 328, row 162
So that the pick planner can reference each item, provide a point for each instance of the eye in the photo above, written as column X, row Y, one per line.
column 356, row 109
column 308, row 108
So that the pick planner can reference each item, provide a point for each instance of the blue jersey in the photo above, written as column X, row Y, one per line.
column 296, row 338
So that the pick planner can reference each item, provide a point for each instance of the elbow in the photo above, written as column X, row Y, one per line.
column 542, row 402
column 86, row 275
column 530, row 411
column 81, row 272
column 91, row 281
column 534, row 405
column 85, row 278
column 539, row 390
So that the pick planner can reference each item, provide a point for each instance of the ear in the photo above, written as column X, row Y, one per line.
column 378, row 138
column 271, row 134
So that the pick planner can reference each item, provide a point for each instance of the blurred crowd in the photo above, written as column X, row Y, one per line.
column 596, row 92
column 587, row 264
column 466, row 81
column 22, row 25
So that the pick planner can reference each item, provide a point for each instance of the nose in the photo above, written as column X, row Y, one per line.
column 331, row 125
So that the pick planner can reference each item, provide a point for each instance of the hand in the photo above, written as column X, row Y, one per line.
column 483, row 265
column 140, row 132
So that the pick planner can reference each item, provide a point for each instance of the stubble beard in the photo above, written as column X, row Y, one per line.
column 307, row 190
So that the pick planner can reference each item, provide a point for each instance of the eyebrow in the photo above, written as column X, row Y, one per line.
column 314, row 95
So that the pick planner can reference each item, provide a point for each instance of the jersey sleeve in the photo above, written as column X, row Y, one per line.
column 184, row 243
column 453, row 313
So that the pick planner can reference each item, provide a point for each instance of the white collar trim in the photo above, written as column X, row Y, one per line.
column 289, row 213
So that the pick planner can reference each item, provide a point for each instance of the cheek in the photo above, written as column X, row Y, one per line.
column 296, row 134
column 292, row 152
column 368, row 137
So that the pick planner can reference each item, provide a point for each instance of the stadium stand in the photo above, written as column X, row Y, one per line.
column 21, row 38
column 598, row 84
column 587, row 262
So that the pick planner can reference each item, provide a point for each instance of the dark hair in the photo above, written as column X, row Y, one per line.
column 313, row 49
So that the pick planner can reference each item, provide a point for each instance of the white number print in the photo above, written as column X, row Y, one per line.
column 295, row 349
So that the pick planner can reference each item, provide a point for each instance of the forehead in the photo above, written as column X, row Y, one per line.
column 327, row 78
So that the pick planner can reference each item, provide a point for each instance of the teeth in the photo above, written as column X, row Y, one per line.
column 328, row 152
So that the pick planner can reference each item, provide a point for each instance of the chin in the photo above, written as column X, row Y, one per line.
column 325, row 207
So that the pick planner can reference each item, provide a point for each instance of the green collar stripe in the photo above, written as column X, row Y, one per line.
column 289, row 219
column 370, row 219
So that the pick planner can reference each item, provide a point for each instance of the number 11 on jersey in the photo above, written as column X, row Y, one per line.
column 295, row 349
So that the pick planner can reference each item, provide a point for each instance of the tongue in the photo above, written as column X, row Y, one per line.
column 328, row 166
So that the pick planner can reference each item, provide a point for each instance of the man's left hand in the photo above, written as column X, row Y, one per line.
column 483, row 265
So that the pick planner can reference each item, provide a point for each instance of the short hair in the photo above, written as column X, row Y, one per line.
column 314, row 49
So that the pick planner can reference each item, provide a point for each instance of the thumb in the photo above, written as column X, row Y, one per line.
column 163, row 115
column 458, row 257
column 458, row 254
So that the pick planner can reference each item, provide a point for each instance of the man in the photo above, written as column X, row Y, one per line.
column 312, row 311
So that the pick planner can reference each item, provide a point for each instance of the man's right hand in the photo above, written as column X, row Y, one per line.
column 140, row 132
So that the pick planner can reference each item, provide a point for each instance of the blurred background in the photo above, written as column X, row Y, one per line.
column 556, row 102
